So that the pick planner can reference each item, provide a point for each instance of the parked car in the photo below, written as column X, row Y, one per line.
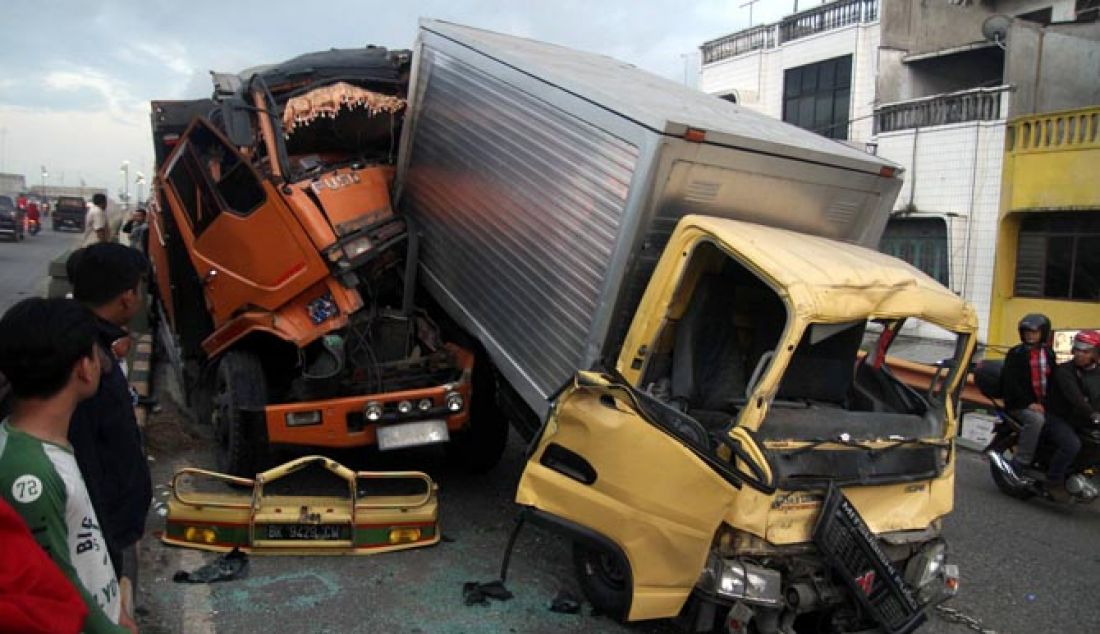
column 69, row 212
column 11, row 219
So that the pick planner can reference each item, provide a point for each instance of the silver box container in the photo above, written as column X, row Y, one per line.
column 546, row 181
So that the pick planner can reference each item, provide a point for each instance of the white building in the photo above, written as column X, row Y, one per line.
column 914, row 81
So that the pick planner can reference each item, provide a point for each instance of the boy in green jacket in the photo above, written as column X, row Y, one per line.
column 48, row 353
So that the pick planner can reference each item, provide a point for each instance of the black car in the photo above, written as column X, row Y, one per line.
column 69, row 212
column 11, row 219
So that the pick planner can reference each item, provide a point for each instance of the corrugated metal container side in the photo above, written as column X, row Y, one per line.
column 546, row 183
column 519, row 206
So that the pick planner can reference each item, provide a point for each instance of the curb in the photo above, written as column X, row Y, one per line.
column 140, row 370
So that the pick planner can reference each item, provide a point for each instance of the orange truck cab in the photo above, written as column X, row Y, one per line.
column 286, row 282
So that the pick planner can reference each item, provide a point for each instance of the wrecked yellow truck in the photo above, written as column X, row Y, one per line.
column 742, row 501
column 675, row 295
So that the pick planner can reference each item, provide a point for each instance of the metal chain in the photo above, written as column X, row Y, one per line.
column 952, row 615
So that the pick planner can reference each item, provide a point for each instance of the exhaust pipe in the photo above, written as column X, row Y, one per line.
column 1013, row 478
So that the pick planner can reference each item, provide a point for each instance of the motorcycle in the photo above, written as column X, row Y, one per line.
column 1082, row 483
column 33, row 227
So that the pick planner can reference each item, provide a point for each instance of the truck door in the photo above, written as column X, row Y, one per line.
column 648, row 491
column 247, row 247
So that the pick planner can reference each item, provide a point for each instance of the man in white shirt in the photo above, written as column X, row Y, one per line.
column 96, row 228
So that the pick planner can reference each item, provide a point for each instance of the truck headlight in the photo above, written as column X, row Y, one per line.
column 357, row 247
column 455, row 402
column 424, row 405
column 739, row 580
column 405, row 407
column 929, row 574
column 373, row 411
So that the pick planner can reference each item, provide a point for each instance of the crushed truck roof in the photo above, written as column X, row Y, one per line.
column 830, row 281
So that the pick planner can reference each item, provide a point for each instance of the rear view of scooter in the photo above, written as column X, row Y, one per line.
column 1083, row 480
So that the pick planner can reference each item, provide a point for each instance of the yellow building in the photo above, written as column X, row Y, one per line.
column 1048, row 237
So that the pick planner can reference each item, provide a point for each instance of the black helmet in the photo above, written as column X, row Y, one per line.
column 1035, row 321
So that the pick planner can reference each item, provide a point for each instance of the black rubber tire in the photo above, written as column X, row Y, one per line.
column 239, row 382
column 479, row 447
column 1005, row 487
column 603, row 580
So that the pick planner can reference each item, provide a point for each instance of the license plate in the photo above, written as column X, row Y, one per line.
column 425, row 432
column 306, row 532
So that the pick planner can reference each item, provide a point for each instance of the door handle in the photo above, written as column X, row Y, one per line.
column 209, row 277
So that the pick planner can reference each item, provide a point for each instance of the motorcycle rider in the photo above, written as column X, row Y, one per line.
column 1024, row 382
column 1073, row 403
column 34, row 223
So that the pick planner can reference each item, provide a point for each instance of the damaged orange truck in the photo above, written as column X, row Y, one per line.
column 286, row 282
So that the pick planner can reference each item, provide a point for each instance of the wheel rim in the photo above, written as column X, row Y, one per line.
column 607, row 569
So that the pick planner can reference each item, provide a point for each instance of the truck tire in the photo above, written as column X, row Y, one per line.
column 478, row 448
column 239, row 383
column 603, row 579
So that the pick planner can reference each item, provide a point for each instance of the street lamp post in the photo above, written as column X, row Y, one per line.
column 44, row 175
column 139, row 180
column 125, row 169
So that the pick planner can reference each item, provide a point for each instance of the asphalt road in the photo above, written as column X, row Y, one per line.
column 1027, row 566
column 23, row 264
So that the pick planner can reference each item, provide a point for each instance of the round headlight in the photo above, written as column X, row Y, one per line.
column 424, row 405
column 373, row 412
column 404, row 407
column 455, row 402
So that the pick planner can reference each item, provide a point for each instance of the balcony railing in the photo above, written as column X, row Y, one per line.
column 978, row 104
column 823, row 18
column 758, row 37
column 826, row 18
column 1054, row 131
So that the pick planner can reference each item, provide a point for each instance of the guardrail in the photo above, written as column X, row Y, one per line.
column 978, row 104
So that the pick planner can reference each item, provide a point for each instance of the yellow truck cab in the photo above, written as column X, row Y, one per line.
column 701, row 467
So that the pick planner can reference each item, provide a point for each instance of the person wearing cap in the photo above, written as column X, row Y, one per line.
column 1073, row 403
column 1024, row 383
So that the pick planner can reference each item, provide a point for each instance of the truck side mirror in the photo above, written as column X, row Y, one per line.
column 237, row 121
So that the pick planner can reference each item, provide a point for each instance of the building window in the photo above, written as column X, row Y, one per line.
column 816, row 96
column 921, row 242
column 1057, row 257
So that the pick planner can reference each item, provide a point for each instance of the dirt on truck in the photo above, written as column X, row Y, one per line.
column 286, row 282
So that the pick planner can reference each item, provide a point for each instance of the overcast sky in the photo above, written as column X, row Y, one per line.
column 76, row 76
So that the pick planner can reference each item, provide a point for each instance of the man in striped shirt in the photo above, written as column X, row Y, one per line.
column 48, row 352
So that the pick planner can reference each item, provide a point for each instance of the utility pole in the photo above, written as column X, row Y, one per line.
column 749, row 5
column 3, row 147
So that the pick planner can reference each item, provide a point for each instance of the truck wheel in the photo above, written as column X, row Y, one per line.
column 479, row 447
column 239, row 383
column 604, row 579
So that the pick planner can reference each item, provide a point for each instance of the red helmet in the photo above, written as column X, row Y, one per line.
column 1086, row 340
